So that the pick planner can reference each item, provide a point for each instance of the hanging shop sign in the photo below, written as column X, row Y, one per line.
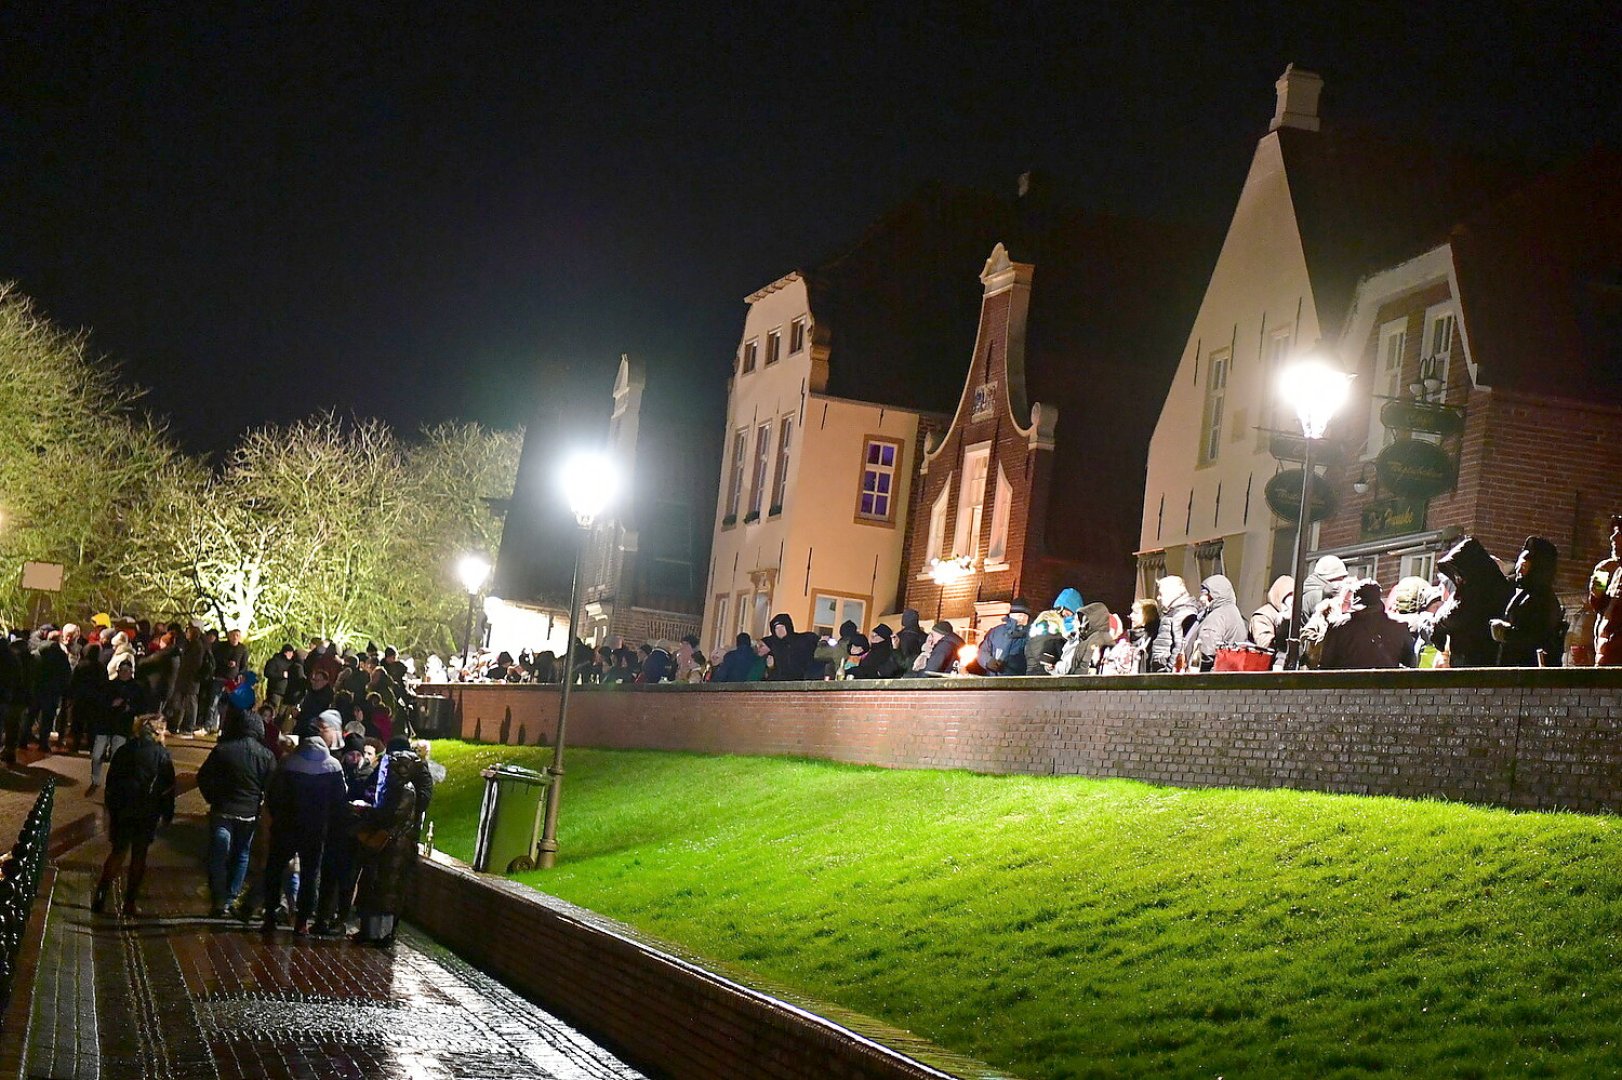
column 1415, row 469
column 1401, row 414
column 1283, row 495
column 1393, row 517
column 1286, row 447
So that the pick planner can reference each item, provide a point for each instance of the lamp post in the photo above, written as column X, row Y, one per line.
column 589, row 483
column 946, row 572
column 1315, row 390
column 472, row 569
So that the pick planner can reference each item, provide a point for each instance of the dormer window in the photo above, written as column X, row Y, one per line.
column 796, row 335
column 751, row 353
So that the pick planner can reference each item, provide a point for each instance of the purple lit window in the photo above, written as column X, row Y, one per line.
column 878, row 479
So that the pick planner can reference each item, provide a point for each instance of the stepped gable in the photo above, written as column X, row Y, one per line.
column 896, row 309
column 1364, row 201
column 1540, row 283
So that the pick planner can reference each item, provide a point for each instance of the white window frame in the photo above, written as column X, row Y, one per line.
column 785, row 434
column 1002, row 512
column 797, row 335
column 893, row 471
column 842, row 605
column 971, row 514
column 1387, row 381
column 1279, row 343
column 1436, row 315
column 1216, row 395
column 719, row 626
column 774, row 345
column 761, row 614
column 937, row 522
column 740, row 443
column 750, row 356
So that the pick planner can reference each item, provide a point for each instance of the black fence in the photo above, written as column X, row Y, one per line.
column 19, row 884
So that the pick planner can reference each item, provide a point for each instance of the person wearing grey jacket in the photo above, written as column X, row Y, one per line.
column 1219, row 624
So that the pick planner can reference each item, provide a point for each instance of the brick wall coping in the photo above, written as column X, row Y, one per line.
column 753, row 1032
column 1557, row 678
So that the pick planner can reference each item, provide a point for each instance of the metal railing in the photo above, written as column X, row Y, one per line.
column 19, row 884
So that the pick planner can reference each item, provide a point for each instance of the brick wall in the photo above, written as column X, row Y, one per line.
column 664, row 1015
column 1523, row 738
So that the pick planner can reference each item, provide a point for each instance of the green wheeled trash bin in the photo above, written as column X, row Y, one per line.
column 509, row 819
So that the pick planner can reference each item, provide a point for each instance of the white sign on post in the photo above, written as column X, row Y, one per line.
column 42, row 576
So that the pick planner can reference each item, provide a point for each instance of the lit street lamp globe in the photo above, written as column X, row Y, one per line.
column 1316, row 391
column 590, row 483
column 472, row 570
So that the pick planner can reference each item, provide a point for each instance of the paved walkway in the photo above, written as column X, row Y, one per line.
column 172, row 994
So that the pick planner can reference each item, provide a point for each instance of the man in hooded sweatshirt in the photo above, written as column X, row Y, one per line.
column 1322, row 583
column 1532, row 629
column 1219, row 623
column 1178, row 613
column 879, row 662
column 736, row 664
column 233, row 779
column 909, row 640
column 1270, row 623
column 307, row 799
column 792, row 652
column 1481, row 592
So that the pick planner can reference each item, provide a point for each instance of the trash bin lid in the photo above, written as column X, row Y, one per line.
column 515, row 773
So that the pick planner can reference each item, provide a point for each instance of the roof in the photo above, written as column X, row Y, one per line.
column 1364, row 201
column 1540, row 283
column 900, row 306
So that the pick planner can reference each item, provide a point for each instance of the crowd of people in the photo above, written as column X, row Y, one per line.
column 1477, row 612
column 314, row 788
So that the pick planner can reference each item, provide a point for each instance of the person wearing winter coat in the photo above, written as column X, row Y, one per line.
column 880, row 661
column 52, row 673
column 792, row 653
column 1532, row 630
column 1002, row 650
column 87, row 689
column 180, row 707
column 232, row 780
column 126, row 698
column 1270, row 623
column 1481, row 592
column 1605, row 598
column 737, row 663
column 1323, row 583
column 909, row 640
column 830, row 653
column 689, row 660
column 317, row 699
column 1413, row 602
column 1046, row 638
column 1365, row 636
column 940, row 650
column 307, row 799
column 1178, row 613
column 1219, row 623
column 279, row 675
column 657, row 665
column 387, row 834
column 140, row 794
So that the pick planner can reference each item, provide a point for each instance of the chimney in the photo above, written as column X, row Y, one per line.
column 1297, row 100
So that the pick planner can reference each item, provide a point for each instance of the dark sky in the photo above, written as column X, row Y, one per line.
column 263, row 210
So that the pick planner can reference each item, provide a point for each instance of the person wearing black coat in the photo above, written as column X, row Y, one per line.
column 317, row 699
column 1481, row 593
column 909, row 640
column 140, row 794
column 123, row 699
column 735, row 665
column 1366, row 637
column 880, row 660
column 1531, row 632
column 18, row 680
column 792, row 653
column 52, row 672
column 87, row 690
column 232, row 779
column 279, row 675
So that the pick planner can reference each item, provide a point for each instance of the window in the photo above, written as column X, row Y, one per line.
column 720, row 638
column 1208, row 556
column 751, row 349
column 763, row 609
column 785, row 431
column 829, row 610
column 1002, row 509
column 880, row 458
column 763, row 457
column 1151, row 568
column 1277, row 352
column 1387, row 380
column 735, row 484
column 796, row 335
column 1439, row 326
column 745, row 609
column 774, row 346
column 971, row 500
column 937, row 524
column 1421, row 564
column 1216, row 391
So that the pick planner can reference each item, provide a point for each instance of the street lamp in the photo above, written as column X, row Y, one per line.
column 589, row 482
column 944, row 572
column 1315, row 390
column 472, row 569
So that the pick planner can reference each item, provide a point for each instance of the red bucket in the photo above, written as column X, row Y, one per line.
column 1243, row 657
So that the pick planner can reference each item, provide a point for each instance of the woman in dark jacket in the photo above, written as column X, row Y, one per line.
column 124, row 698
column 1481, row 592
column 387, row 840
column 1531, row 632
column 87, row 690
column 140, row 793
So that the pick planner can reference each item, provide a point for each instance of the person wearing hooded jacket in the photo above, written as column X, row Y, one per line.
column 140, row 794
column 792, row 653
column 1532, row 629
column 1365, row 636
column 1481, row 592
column 1178, row 613
column 879, row 662
column 1219, row 623
column 909, row 640
column 1002, row 650
column 1323, row 582
column 831, row 653
column 735, row 665
column 942, row 644
column 1051, row 631
column 1270, row 623
column 307, row 799
column 232, row 780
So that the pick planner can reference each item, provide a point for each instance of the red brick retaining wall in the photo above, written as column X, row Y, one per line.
column 1522, row 738
column 664, row 1015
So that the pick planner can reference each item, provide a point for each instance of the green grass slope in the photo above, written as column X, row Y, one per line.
column 1060, row 927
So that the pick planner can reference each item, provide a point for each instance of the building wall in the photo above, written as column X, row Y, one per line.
column 1259, row 297
column 1542, row 739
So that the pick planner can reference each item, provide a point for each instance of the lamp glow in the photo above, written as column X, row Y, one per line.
column 1316, row 391
column 590, row 484
column 944, row 572
column 472, row 570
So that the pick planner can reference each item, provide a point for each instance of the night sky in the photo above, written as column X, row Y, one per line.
column 408, row 215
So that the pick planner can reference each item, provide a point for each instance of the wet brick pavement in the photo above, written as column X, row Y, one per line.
column 171, row 994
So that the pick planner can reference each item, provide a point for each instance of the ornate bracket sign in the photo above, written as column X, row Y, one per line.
column 1393, row 517
column 1283, row 495
column 1415, row 469
column 1404, row 415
